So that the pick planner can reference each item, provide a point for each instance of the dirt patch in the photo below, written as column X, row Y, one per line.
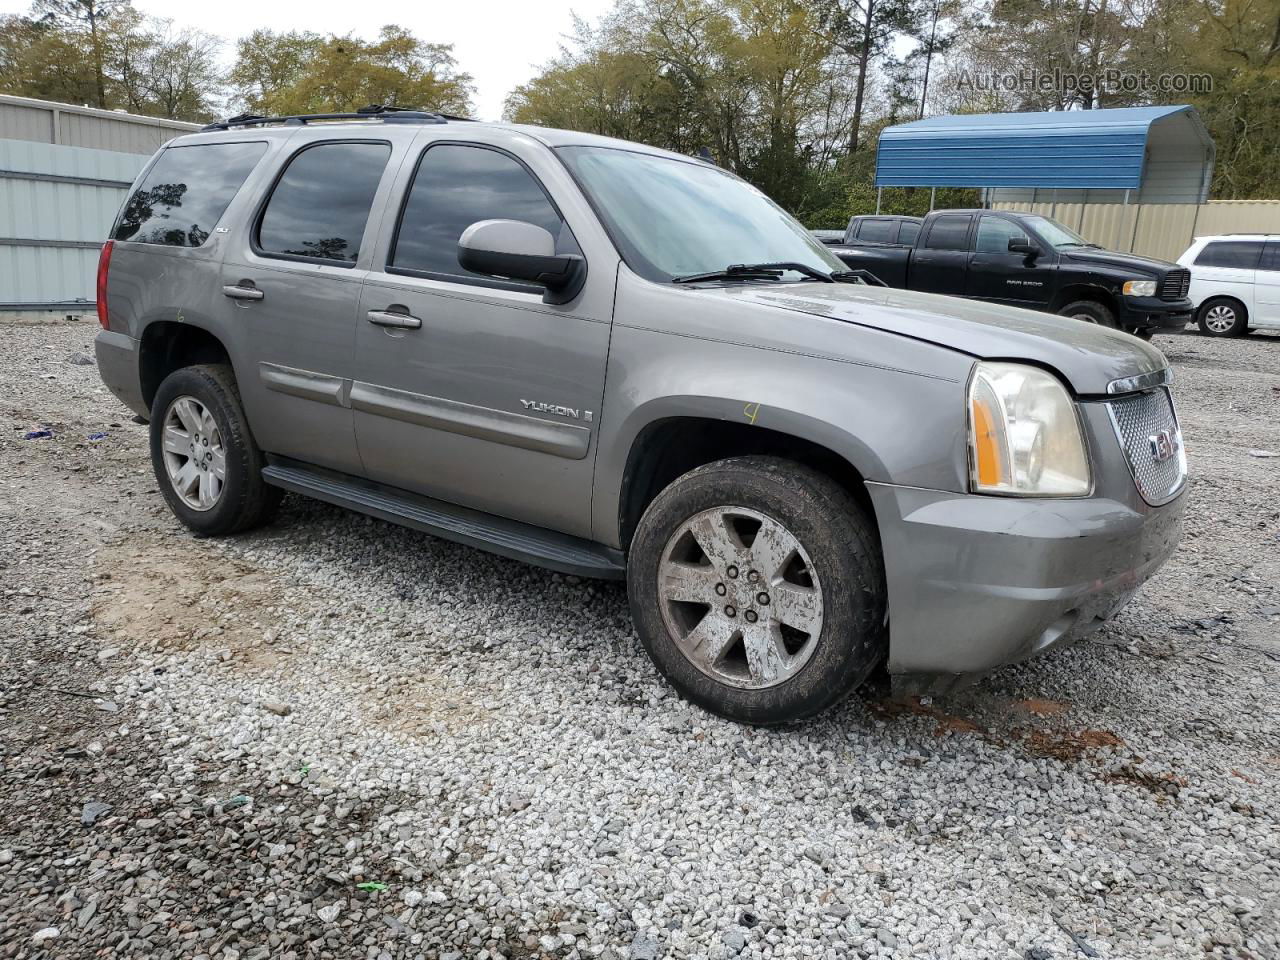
column 1042, row 708
column 1069, row 746
column 164, row 598
column 947, row 722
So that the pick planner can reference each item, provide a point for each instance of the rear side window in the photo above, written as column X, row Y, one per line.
column 320, row 204
column 185, row 193
column 948, row 233
column 1240, row 254
column 908, row 232
column 457, row 185
column 877, row 231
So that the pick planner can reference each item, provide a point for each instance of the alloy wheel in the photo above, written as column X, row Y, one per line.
column 194, row 458
column 740, row 597
column 1220, row 318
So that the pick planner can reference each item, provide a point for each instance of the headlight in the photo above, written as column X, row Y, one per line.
column 1139, row 288
column 1024, row 434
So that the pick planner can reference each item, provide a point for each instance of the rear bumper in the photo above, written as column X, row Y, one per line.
column 979, row 582
column 1147, row 312
column 118, row 366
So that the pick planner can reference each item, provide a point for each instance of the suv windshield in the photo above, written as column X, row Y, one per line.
column 672, row 218
column 1054, row 233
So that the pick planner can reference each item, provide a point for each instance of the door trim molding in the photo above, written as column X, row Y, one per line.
column 566, row 440
column 307, row 384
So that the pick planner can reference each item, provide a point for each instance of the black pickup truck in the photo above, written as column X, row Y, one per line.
column 1021, row 259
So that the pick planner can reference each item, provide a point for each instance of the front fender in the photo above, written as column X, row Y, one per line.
column 855, row 398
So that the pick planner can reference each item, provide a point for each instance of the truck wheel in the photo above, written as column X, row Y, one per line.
column 757, row 587
column 1222, row 317
column 205, row 460
column 1090, row 311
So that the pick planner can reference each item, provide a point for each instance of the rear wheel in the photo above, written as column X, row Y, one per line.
column 1222, row 317
column 205, row 460
column 1090, row 311
column 757, row 587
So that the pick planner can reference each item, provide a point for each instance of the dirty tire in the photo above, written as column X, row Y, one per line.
column 1090, row 311
column 840, row 538
column 245, row 501
column 1222, row 317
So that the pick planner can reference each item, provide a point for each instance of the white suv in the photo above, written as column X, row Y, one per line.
column 1235, row 282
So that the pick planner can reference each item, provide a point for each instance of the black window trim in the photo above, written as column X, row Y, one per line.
column 966, row 247
column 145, row 172
column 473, row 280
column 261, row 212
column 1262, row 244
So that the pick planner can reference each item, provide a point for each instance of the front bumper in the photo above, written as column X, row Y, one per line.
column 117, row 356
column 976, row 582
column 1151, row 312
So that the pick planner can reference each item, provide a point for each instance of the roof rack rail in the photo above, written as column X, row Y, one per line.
column 375, row 111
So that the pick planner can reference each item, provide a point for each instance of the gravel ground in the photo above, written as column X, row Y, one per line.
column 337, row 738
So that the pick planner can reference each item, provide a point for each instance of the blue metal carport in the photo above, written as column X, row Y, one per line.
column 1164, row 153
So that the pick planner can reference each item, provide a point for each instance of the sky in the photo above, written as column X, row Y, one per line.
column 501, row 43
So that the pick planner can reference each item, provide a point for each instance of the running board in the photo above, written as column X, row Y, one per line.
column 507, row 538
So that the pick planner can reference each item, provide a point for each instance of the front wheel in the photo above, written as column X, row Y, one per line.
column 1222, row 317
column 757, row 587
column 205, row 459
column 1090, row 311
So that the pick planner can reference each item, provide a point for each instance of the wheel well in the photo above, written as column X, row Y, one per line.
column 168, row 346
column 1223, row 296
column 1072, row 294
column 671, row 448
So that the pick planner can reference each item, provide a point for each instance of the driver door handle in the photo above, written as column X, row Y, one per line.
column 392, row 318
column 244, row 290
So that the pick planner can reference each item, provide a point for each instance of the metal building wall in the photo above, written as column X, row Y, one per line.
column 43, row 121
column 64, row 172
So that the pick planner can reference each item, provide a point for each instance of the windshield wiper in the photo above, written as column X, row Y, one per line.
column 756, row 271
column 858, row 276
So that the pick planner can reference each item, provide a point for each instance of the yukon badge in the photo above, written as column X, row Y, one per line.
column 539, row 407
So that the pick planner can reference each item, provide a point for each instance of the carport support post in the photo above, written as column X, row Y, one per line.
column 933, row 193
column 1124, row 212
column 879, row 194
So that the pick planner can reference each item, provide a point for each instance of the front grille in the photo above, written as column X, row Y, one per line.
column 1147, row 428
column 1175, row 284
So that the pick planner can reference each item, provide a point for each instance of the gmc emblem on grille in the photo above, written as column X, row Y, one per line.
column 1163, row 445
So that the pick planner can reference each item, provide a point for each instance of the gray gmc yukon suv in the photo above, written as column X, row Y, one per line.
column 615, row 361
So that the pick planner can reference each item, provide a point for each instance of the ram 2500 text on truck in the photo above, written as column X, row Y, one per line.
column 1024, row 260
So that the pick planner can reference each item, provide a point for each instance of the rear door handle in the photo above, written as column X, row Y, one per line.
column 391, row 318
column 245, row 290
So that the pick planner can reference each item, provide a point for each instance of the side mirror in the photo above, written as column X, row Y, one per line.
column 522, row 251
column 1023, row 246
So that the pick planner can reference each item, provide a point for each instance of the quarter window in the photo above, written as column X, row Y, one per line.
column 320, row 205
column 185, row 193
column 948, row 233
column 1239, row 254
column 455, row 186
column 908, row 232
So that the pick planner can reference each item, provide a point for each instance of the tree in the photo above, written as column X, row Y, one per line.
column 864, row 30
column 302, row 72
column 89, row 15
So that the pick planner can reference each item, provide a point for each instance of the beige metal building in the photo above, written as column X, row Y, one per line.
column 64, row 171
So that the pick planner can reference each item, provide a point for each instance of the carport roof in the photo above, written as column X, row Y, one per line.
column 1071, row 149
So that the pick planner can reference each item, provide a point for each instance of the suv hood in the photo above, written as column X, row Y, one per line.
column 1086, row 356
column 1123, row 261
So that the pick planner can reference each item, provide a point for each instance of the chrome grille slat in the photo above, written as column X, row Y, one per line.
column 1138, row 418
